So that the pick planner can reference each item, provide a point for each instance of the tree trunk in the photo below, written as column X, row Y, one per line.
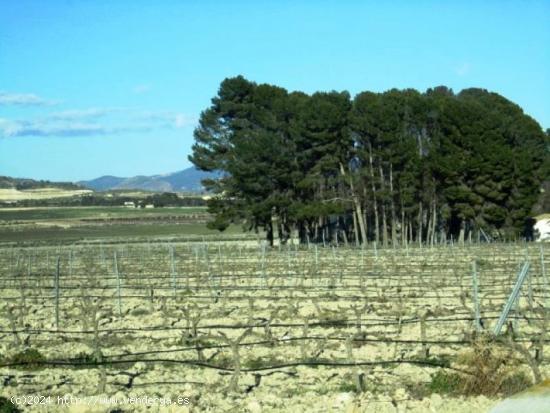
column 403, row 228
column 355, row 229
column 429, row 229
column 419, row 233
column 393, row 216
column 461, row 234
column 434, row 223
column 344, row 231
column 358, row 212
column 269, row 232
column 364, row 213
column 374, row 201
column 383, row 204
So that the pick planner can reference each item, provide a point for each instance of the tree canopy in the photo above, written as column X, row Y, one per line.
column 393, row 167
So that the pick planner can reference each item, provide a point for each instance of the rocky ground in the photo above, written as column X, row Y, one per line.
column 246, row 329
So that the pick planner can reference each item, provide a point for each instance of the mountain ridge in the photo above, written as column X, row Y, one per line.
column 8, row 182
column 186, row 180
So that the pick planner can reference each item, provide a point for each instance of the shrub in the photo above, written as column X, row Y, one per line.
column 494, row 369
column 444, row 382
column 489, row 368
column 7, row 406
column 30, row 359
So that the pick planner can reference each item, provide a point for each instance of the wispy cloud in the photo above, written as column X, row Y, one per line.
column 94, row 122
column 13, row 128
column 167, row 118
column 61, row 131
column 9, row 127
column 89, row 113
column 182, row 120
column 463, row 69
column 24, row 99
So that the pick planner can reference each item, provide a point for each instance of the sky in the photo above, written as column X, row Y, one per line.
column 91, row 88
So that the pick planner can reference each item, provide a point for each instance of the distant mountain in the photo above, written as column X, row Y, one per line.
column 188, row 180
column 102, row 183
column 7, row 182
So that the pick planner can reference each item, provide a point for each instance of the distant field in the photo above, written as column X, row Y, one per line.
column 55, row 234
column 12, row 194
column 64, row 224
column 64, row 213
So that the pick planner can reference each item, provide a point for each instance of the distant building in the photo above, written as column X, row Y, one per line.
column 129, row 204
column 542, row 228
column 149, row 206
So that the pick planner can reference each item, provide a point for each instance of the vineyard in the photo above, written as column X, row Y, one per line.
column 244, row 327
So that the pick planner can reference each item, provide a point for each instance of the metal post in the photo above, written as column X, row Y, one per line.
column 316, row 258
column 544, row 279
column 118, row 285
column 513, row 297
column 477, row 323
column 173, row 269
column 263, row 265
column 56, row 288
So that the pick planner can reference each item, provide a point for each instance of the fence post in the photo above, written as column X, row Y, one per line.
column 118, row 285
column 475, row 287
column 173, row 269
column 70, row 263
column 220, row 259
column 263, row 265
column 56, row 288
column 513, row 297
column 544, row 279
column 316, row 259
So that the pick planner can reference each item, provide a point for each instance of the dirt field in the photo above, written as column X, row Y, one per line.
column 12, row 194
column 244, row 328
column 70, row 224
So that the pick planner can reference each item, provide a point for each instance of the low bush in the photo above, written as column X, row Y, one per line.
column 7, row 406
column 28, row 359
column 489, row 368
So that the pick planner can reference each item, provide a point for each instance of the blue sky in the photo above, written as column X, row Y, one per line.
column 90, row 88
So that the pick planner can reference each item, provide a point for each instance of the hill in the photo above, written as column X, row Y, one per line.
column 18, row 189
column 7, row 182
column 187, row 180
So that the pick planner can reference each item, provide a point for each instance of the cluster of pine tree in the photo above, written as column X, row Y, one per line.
column 393, row 167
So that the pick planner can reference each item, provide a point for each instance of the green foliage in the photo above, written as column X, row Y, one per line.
column 259, row 362
column 487, row 368
column 6, row 406
column 28, row 359
column 115, row 199
column 439, row 360
column 347, row 387
column 24, row 183
column 515, row 383
column 444, row 382
column 85, row 360
column 457, row 384
column 417, row 165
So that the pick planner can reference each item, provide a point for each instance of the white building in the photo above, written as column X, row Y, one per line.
column 129, row 204
column 542, row 228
